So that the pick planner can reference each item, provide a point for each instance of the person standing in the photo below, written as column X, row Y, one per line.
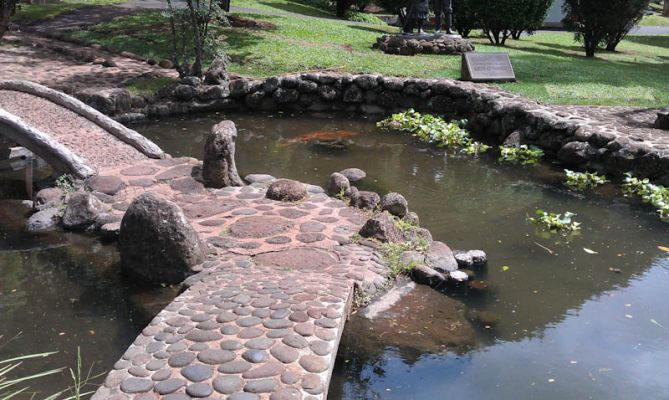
column 417, row 14
column 444, row 9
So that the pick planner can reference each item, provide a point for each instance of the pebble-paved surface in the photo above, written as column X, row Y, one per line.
column 85, row 138
column 263, row 316
column 29, row 57
column 635, row 123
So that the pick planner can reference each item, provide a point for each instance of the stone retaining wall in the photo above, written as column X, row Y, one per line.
column 494, row 116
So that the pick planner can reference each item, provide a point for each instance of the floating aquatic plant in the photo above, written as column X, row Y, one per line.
column 583, row 180
column 523, row 154
column 656, row 195
column 562, row 223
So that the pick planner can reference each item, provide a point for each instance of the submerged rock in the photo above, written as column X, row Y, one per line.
column 43, row 220
column 157, row 243
column 353, row 174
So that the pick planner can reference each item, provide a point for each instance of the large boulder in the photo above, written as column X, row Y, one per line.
column 286, row 190
column 217, row 73
column 82, row 210
column 662, row 121
column 353, row 174
column 382, row 228
column 219, row 168
column 367, row 200
column 395, row 204
column 157, row 243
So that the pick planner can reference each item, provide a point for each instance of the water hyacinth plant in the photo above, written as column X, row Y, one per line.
column 434, row 130
column 523, row 154
column 561, row 223
column 656, row 195
column 583, row 180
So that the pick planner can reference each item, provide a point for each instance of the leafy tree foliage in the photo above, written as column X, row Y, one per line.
column 464, row 19
column 597, row 22
column 501, row 19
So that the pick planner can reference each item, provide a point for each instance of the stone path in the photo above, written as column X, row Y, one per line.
column 33, row 57
column 263, row 316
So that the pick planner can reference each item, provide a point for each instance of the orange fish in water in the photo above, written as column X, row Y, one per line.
column 322, row 136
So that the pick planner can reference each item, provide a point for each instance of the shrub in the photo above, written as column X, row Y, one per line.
column 524, row 154
column 583, row 180
column 500, row 19
column 364, row 17
column 464, row 19
column 596, row 22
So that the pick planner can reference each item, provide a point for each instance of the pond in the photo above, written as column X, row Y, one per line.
column 550, row 317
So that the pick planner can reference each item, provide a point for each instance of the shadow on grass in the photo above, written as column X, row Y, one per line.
column 657, row 41
column 369, row 29
column 297, row 8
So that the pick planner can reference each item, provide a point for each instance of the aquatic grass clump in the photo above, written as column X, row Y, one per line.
column 434, row 130
column 523, row 154
column 656, row 195
column 558, row 223
column 583, row 180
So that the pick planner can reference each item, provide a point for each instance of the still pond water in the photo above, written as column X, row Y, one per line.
column 546, row 320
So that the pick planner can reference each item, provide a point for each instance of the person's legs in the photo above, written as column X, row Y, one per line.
column 408, row 26
column 448, row 10
column 437, row 16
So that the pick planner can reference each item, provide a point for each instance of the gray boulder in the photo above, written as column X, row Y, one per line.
column 217, row 73
column 440, row 257
column 219, row 168
column 49, row 197
column 395, row 204
column 425, row 275
column 662, row 121
column 382, row 228
column 353, row 174
column 286, row 190
column 367, row 200
column 157, row 243
column 82, row 210
column 338, row 183
column 44, row 220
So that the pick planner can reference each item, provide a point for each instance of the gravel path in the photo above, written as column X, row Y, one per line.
column 85, row 138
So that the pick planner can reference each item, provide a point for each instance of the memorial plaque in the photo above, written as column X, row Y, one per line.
column 487, row 67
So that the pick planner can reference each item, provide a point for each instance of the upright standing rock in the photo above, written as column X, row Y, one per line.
column 219, row 169
column 158, row 244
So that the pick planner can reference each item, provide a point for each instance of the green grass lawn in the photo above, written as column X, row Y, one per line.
column 29, row 13
column 654, row 20
column 550, row 67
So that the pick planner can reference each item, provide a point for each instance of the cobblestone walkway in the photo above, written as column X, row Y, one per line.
column 263, row 316
column 33, row 58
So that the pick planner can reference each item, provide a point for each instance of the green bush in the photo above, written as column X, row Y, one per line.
column 464, row 19
column 597, row 22
column 364, row 17
column 501, row 19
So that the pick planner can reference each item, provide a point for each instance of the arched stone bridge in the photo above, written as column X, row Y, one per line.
column 69, row 135
column 263, row 316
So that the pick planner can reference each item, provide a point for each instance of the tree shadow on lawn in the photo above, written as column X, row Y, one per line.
column 657, row 41
column 583, row 71
column 297, row 8
column 369, row 29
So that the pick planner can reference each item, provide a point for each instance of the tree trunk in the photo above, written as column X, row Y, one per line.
column 7, row 8
column 342, row 5
column 665, row 12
